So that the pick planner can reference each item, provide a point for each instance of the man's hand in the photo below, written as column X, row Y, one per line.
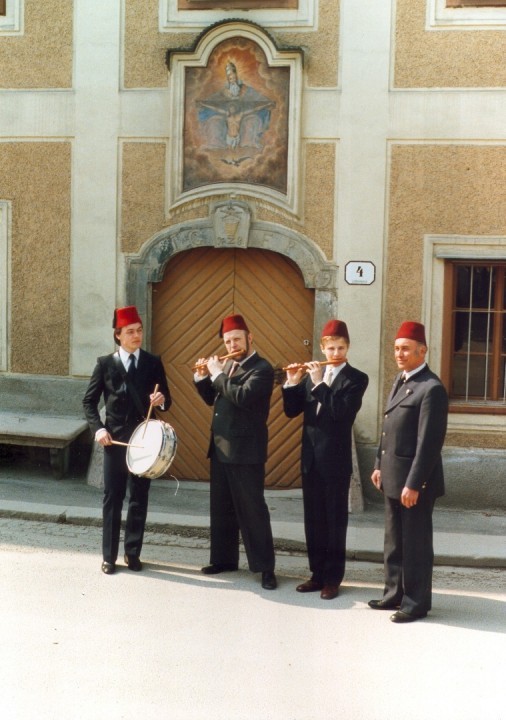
column 376, row 480
column 214, row 365
column 409, row 498
column 103, row 438
column 202, row 370
column 316, row 371
column 294, row 373
column 157, row 399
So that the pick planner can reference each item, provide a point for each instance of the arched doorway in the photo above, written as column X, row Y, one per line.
column 201, row 286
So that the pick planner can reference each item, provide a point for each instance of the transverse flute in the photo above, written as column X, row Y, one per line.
column 223, row 357
column 299, row 366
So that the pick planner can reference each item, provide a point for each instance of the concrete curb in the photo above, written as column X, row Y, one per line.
column 365, row 542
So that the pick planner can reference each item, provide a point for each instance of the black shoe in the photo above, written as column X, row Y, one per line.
column 269, row 581
column 216, row 568
column 108, row 568
column 383, row 605
column 133, row 563
column 403, row 617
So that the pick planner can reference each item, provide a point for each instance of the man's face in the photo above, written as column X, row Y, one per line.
column 335, row 348
column 409, row 354
column 130, row 337
column 231, row 76
column 238, row 340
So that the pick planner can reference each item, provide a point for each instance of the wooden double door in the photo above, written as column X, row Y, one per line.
column 199, row 288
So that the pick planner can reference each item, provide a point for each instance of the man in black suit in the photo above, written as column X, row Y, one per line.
column 126, row 379
column 409, row 472
column 240, row 392
column 330, row 404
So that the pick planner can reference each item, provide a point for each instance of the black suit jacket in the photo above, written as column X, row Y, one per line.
column 241, row 408
column 121, row 414
column 326, row 435
column 414, row 429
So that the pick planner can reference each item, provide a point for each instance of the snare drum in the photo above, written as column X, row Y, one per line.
column 152, row 449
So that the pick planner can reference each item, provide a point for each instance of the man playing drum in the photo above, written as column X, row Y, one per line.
column 240, row 392
column 127, row 380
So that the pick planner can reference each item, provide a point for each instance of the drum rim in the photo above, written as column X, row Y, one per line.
column 169, row 442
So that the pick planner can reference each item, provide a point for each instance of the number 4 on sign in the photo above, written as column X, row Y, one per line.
column 358, row 272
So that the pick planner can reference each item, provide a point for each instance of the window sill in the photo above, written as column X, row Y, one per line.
column 477, row 408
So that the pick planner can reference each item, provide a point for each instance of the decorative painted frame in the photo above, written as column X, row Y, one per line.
column 201, row 163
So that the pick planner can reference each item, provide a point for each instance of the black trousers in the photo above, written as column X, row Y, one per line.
column 326, row 524
column 409, row 554
column 116, row 479
column 238, row 504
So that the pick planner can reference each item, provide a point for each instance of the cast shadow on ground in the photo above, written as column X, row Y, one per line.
column 451, row 609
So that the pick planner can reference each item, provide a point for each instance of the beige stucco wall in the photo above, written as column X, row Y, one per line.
column 42, row 56
column 143, row 197
column 145, row 46
column 428, row 59
column 35, row 177
column 143, row 193
column 436, row 189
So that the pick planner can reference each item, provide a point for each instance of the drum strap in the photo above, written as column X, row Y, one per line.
column 131, row 387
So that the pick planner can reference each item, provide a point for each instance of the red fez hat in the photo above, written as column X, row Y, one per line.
column 125, row 316
column 233, row 322
column 335, row 328
column 412, row 331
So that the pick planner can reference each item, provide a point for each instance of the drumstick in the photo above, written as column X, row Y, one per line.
column 149, row 412
column 117, row 442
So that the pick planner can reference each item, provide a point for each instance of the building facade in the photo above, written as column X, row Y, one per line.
column 291, row 160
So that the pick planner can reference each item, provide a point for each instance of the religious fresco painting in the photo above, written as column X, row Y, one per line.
column 236, row 119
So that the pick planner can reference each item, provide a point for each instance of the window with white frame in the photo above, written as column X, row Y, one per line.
column 474, row 335
column 462, row 14
column 5, row 226
column 182, row 15
column 11, row 17
column 236, row 4
column 475, row 3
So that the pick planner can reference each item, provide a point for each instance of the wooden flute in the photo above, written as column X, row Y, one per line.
column 299, row 366
column 223, row 357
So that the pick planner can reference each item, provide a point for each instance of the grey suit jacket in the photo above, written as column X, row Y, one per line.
column 241, row 408
column 414, row 429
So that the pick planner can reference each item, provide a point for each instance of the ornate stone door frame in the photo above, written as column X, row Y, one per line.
column 149, row 265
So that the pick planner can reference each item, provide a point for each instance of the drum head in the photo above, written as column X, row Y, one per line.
column 145, row 445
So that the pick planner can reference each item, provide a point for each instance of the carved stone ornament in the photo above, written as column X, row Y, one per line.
column 231, row 222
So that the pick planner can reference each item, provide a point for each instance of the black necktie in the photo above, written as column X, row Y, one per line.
column 400, row 383
column 131, row 366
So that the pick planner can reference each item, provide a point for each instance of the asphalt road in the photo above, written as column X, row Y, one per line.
column 172, row 643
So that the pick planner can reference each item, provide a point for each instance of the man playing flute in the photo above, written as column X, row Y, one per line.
column 330, row 403
column 240, row 391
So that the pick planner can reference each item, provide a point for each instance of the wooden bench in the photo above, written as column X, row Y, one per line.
column 43, row 411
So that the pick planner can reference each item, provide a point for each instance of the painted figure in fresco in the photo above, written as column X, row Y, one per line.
column 236, row 116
